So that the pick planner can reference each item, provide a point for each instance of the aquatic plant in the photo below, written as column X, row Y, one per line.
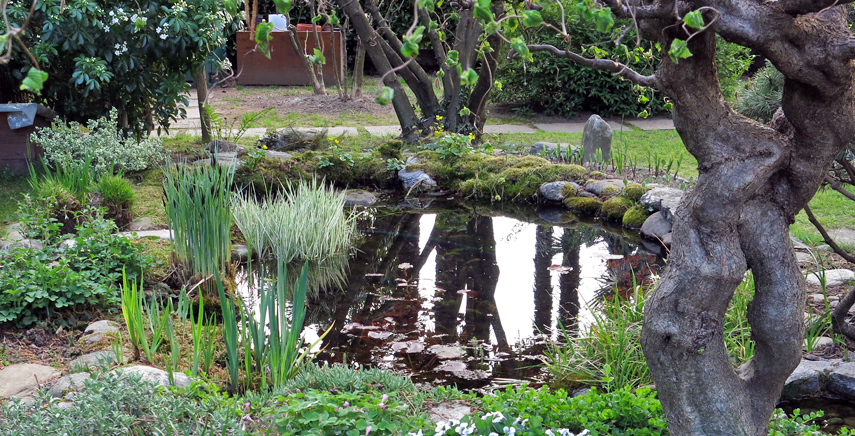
column 197, row 202
column 307, row 222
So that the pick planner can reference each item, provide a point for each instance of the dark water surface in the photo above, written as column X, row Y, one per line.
column 463, row 295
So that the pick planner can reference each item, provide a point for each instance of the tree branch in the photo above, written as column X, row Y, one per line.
column 660, row 9
column 838, row 316
column 839, row 188
column 617, row 68
column 801, row 7
column 827, row 238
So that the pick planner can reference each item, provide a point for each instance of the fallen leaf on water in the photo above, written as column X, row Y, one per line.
column 379, row 335
column 561, row 269
column 405, row 265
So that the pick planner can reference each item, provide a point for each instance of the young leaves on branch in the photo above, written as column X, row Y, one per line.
column 694, row 20
column 385, row 96
column 263, row 37
column 34, row 81
column 679, row 50
column 411, row 42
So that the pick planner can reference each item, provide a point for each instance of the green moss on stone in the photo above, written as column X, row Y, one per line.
column 391, row 149
column 614, row 208
column 596, row 175
column 633, row 191
column 568, row 191
column 583, row 205
column 610, row 191
column 635, row 217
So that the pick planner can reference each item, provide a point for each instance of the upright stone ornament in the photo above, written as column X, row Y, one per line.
column 596, row 136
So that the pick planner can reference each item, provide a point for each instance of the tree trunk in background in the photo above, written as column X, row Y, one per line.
column 201, row 79
column 359, row 69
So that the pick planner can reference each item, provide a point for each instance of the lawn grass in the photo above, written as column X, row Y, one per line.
column 833, row 211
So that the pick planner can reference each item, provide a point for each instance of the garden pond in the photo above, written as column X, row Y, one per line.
column 464, row 294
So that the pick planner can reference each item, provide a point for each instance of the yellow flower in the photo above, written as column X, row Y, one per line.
column 264, row 147
column 471, row 136
column 439, row 117
column 336, row 141
column 330, row 138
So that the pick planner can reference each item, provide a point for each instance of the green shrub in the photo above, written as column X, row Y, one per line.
column 731, row 61
column 117, row 197
column 633, row 191
column 583, row 205
column 67, row 144
column 635, row 217
column 109, row 406
column 614, row 208
column 323, row 413
column 760, row 97
column 35, row 283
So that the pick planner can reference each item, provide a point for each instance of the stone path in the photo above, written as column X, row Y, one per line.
column 192, row 126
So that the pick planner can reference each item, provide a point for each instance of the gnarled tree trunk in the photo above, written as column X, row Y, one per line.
column 753, row 179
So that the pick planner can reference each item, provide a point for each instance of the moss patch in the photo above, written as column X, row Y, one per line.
column 611, row 190
column 635, row 217
column 583, row 205
column 568, row 191
column 614, row 208
column 596, row 175
column 391, row 149
column 633, row 191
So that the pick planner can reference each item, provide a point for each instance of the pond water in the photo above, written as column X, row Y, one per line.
column 457, row 294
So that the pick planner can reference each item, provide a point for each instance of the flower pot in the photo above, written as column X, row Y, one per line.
column 306, row 27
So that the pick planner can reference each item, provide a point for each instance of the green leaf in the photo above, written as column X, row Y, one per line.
column 282, row 6
column 521, row 48
column 409, row 49
column 318, row 58
column 679, row 50
column 334, row 20
column 482, row 10
column 231, row 7
column 428, row 5
column 532, row 19
column 385, row 96
column 497, row 85
column 604, row 20
column 453, row 58
column 465, row 112
column 263, row 38
column 34, row 82
column 643, row 99
column 469, row 77
column 694, row 20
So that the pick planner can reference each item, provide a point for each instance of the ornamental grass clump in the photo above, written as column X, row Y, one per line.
column 308, row 222
column 197, row 203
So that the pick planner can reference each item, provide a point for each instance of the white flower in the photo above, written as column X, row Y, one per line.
column 118, row 46
column 163, row 36
column 106, row 28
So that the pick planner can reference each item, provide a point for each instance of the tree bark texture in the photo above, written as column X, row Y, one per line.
column 752, row 181
column 201, row 79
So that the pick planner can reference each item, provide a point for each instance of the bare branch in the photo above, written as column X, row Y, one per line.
column 660, row 9
column 801, row 7
column 617, row 68
column 827, row 238
column 839, row 188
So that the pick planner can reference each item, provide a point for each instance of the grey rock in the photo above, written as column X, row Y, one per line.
column 412, row 160
column 358, row 197
column 798, row 244
column 666, row 240
column 417, row 181
column 449, row 410
column 27, row 244
column 548, row 149
column 68, row 382
column 446, row 351
column 68, row 244
column 808, row 380
column 599, row 186
column 597, row 136
column 842, row 380
column 281, row 155
column 817, row 298
column 155, row 375
column 222, row 146
column 833, row 277
column 655, row 226
column 96, row 331
column 586, row 194
column 820, row 342
column 223, row 159
column 554, row 191
column 65, row 405
column 141, row 223
column 92, row 361
column 823, row 247
column 23, row 379
column 664, row 200
column 12, row 235
column 804, row 258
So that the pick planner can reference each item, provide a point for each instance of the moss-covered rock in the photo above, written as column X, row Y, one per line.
column 633, row 191
column 391, row 149
column 569, row 190
column 583, row 205
column 271, row 174
column 611, row 191
column 614, row 208
column 635, row 217
column 596, row 175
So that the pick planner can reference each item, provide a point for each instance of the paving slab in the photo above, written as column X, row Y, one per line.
column 561, row 127
column 384, row 130
column 162, row 234
column 507, row 128
column 652, row 124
